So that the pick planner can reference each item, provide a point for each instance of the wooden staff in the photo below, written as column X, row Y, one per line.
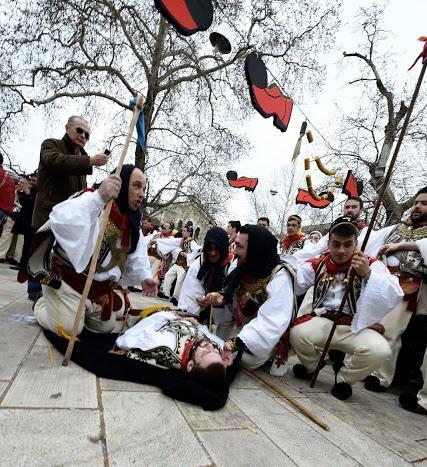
column 138, row 107
column 290, row 399
column 373, row 218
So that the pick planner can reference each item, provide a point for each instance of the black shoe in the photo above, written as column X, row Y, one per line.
column 134, row 289
column 162, row 295
column 300, row 371
column 372, row 383
column 14, row 268
column 174, row 301
column 410, row 402
column 342, row 391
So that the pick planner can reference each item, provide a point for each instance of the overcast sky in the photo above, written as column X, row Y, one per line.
column 406, row 19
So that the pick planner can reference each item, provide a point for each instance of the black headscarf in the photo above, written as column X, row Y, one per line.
column 212, row 275
column 261, row 258
column 122, row 202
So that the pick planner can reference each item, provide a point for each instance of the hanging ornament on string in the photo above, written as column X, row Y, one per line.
column 309, row 196
column 310, row 139
column 249, row 184
column 267, row 99
column 187, row 16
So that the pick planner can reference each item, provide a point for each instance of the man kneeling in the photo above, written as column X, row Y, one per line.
column 170, row 341
column 374, row 293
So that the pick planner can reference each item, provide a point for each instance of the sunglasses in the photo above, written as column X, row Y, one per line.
column 80, row 131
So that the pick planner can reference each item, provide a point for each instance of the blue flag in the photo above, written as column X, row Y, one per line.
column 140, row 125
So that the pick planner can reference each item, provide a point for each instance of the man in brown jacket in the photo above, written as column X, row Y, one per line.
column 63, row 167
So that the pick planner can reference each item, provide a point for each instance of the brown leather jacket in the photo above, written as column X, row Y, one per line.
column 61, row 173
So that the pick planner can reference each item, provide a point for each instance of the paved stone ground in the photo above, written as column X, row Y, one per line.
column 51, row 415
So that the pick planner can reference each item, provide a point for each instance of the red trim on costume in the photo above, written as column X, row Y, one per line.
column 301, row 319
column 289, row 239
column 186, row 352
column 122, row 223
column 229, row 258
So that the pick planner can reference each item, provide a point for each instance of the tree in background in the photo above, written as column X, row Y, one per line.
column 369, row 130
column 104, row 51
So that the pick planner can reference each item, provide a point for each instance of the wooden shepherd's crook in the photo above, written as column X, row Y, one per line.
column 374, row 215
column 290, row 399
column 138, row 107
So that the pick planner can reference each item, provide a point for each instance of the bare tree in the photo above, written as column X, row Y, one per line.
column 367, row 134
column 108, row 50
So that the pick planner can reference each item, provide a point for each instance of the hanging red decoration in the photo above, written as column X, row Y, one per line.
column 268, row 100
column 249, row 184
column 187, row 16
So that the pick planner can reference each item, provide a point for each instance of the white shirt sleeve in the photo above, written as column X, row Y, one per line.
column 305, row 277
column 378, row 297
column 377, row 239
column 191, row 288
column 167, row 245
column 75, row 225
column 192, row 255
column 137, row 267
column 263, row 332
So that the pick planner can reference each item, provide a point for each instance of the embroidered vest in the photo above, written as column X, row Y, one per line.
column 164, row 356
column 251, row 295
column 44, row 245
column 322, row 283
column 293, row 247
column 411, row 261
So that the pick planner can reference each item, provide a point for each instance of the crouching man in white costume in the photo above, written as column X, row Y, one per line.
column 260, row 293
column 374, row 293
column 123, row 259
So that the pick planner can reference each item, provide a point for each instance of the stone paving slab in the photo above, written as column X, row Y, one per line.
column 229, row 417
column 50, row 438
column 377, row 423
column 39, row 384
column 301, row 442
column 113, row 385
column 15, row 341
column 358, row 445
column 147, row 429
column 3, row 385
column 243, row 448
column 281, row 383
column 144, row 427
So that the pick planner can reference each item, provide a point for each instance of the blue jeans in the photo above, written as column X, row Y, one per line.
column 2, row 215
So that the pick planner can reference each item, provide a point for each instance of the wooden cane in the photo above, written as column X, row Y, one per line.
column 290, row 399
column 373, row 218
column 138, row 107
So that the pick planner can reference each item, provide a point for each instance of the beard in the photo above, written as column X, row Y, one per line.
column 418, row 218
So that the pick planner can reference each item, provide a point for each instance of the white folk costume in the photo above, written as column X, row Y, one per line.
column 180, row 265
column 369, row 301
column 63, row 259
column 204, row 277
column 410, row 267
column 159, row 253
column 260, row 293
column 164, row 340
